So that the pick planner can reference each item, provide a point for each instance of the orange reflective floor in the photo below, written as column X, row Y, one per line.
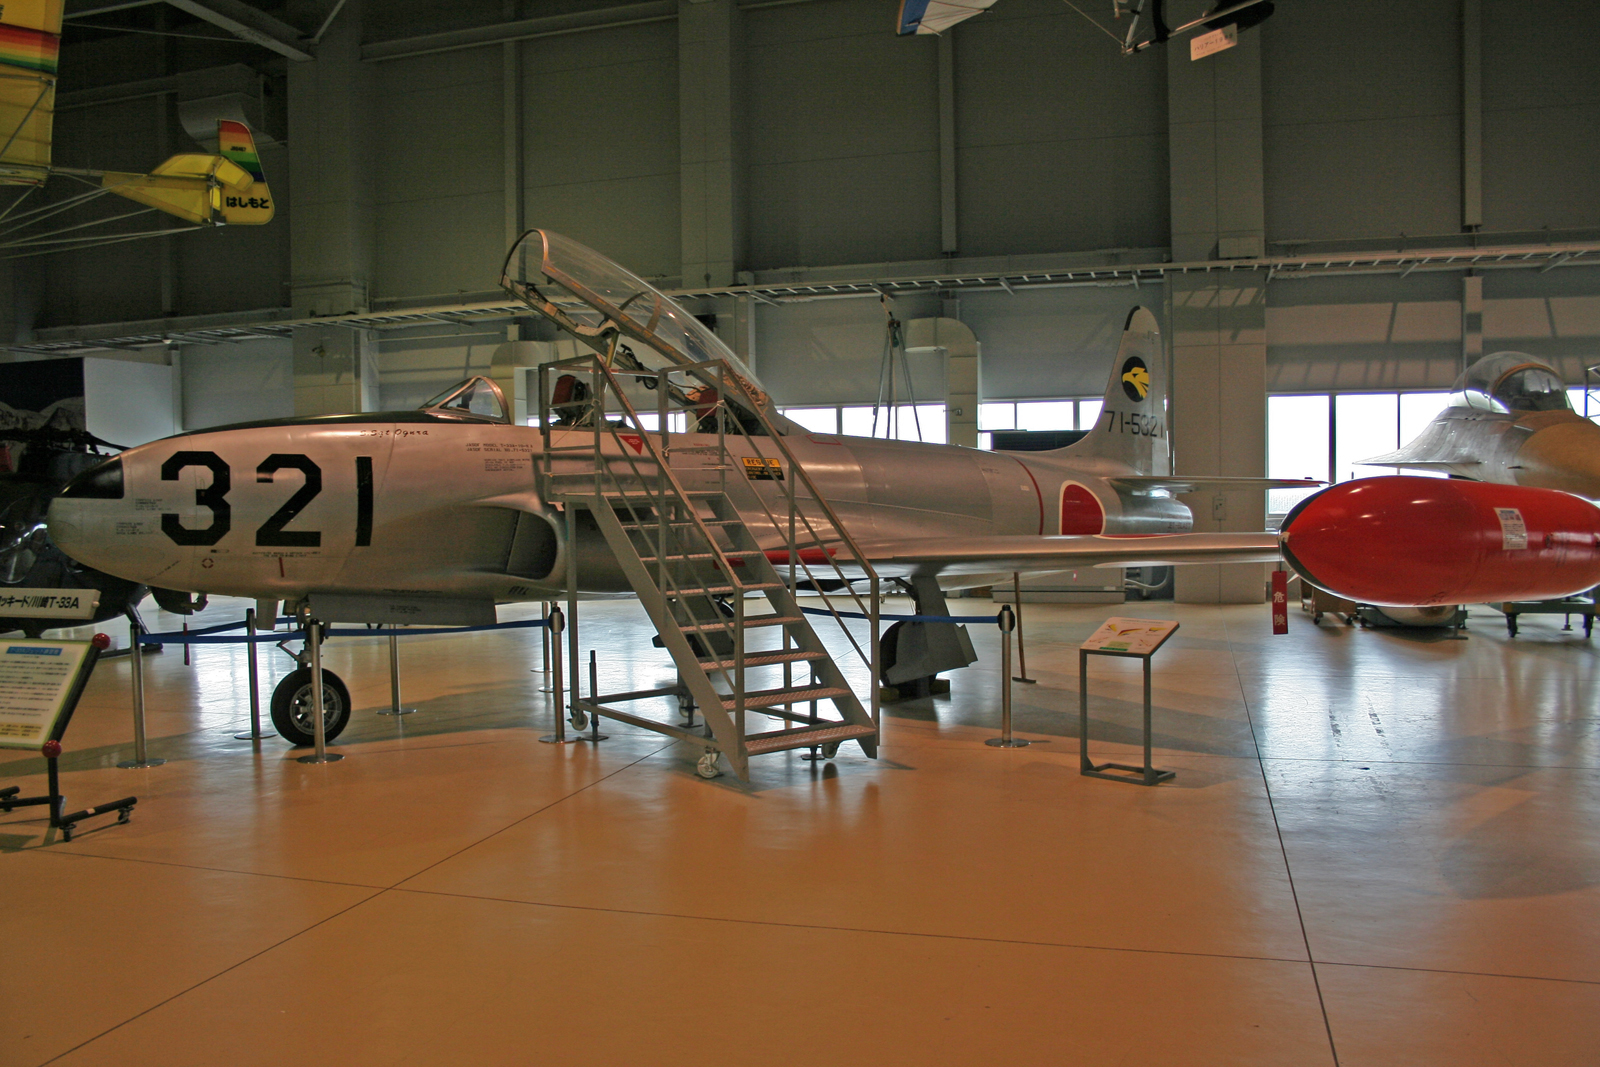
column 1381, row 848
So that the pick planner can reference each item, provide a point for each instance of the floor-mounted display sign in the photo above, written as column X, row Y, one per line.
column 40, row 683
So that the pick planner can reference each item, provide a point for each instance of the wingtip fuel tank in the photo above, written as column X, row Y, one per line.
column 1415, row 542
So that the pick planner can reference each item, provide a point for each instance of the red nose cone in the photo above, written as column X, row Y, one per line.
column 1414, row 542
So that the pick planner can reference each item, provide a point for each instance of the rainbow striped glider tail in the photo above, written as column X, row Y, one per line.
column 208, row 190
column 246, row 207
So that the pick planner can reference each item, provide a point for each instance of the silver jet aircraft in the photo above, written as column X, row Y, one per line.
column 1509, row 421
column 441, row 513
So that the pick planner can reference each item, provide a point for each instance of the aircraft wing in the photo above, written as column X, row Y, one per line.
column 1208, row 484
column 987, row 555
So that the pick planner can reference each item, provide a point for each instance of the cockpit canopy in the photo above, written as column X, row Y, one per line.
column 475, row 398
column 594, row 299
column 1510, row 382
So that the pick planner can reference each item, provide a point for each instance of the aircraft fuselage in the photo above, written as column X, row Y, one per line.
column 412, row 503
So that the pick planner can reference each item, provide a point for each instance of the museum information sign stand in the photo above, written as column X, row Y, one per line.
column 40, row 683
column 1130, row 639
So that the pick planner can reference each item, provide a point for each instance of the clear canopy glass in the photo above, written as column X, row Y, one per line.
column 476, row 397
column 1510, row 381
column 560, row 278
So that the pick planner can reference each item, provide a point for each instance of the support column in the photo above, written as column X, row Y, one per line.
column 1471, row 116
column 948, row 242
column 712, row 183
column 511, row 128
column 330, row 258
column 1218, row 321
column 335, row 371
column 1471, row 319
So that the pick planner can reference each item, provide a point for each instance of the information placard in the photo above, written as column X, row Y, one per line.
column 1137, row 637
column 40, row 682
column 49, row 603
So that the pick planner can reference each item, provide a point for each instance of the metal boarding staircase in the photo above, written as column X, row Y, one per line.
column 698, row 564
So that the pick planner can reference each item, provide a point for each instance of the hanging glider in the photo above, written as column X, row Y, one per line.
column 201, row 189
column 204, row 189
column 30, row 43
column 936, row 16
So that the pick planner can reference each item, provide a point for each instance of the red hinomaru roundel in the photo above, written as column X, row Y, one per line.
column 1081, row 513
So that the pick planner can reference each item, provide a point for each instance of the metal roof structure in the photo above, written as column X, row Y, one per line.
column 224, row 329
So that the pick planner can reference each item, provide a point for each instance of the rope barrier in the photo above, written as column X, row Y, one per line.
column 207, row 636
column 204, row 637
column 906, row 618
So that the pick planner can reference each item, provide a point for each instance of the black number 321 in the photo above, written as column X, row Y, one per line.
column 270, row 534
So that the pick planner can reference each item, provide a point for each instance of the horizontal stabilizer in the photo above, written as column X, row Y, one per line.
column 1403, row 459
column 985, row 555
column 1206, row 484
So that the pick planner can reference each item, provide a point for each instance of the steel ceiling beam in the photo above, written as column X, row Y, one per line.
column 249, row 24
column 218, row 329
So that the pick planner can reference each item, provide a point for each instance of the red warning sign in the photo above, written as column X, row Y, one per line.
column 1280, row 602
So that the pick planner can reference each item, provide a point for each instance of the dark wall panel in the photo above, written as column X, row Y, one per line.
column 1061, row 139
column 843, row 137
column 1362, row 114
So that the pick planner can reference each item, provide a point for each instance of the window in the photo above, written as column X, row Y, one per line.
column 1046, row 415
column 1297, row 446
column 1365, row 425
column 651, row 421
column 1323, row 437
column 817, row 420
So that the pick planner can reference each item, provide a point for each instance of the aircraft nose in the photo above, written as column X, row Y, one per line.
column 75, row 512
column 65, row 523
column 1565, row 456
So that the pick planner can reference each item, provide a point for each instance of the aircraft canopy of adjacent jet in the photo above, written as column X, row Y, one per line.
column 1509, row 382
column 1510, row 421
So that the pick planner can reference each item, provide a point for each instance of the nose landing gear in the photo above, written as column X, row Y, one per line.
column 291, row 707
column 291, row 702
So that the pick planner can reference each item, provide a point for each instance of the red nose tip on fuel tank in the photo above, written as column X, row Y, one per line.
column 1412, row 542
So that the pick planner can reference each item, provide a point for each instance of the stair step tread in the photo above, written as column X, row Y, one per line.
column 616, row 494
column 749, row 622
column 694, row 556
column 763, row 659
column 683, row 522
column 766, row 698
column 805, row 737
column 721, row 590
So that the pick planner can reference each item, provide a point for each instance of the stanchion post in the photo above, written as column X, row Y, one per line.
column 1022, row 647
column 137, row 659
column 394, row 679
column 318, row 727
column 594, row 692
column 255, row 679
column 1008, row 622
column 544, row 641
column 557, row 623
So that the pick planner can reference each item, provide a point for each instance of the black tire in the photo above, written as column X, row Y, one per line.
column 291, row 703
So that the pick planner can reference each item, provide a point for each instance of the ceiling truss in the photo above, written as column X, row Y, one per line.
column 69, row 340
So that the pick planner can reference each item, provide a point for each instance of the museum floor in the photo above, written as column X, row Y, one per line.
column 1381, row 848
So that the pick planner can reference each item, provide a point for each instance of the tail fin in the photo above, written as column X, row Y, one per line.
column 252, row 206
column 1132, row 427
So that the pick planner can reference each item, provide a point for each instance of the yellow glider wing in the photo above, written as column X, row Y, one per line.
column 30, row 43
